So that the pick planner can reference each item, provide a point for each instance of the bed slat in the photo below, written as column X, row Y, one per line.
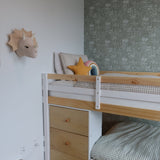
column 133, row 73
column 72, row 77
column 131, row 80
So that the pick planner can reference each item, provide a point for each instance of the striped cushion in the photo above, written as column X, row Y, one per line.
column 129, row 141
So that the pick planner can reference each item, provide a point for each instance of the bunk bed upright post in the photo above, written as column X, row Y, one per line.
column 46, row 129
column 98, row 92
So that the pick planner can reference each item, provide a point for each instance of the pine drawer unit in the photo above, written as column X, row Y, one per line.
column 69, row 120
column 70, row 133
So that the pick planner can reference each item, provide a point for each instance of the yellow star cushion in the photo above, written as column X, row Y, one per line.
column 80, row 68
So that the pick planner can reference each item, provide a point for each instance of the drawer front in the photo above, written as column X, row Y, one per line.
column 56, row 155
column 68, row 143
column 71, row 120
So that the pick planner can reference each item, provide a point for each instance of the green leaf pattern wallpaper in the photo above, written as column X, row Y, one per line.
column 123, row 35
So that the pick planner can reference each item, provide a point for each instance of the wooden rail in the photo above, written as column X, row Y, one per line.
column 113, row 79
column 133, row 73
column 131, row 80
column 107, row 108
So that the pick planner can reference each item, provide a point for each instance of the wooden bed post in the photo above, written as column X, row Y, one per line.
column 46, row 129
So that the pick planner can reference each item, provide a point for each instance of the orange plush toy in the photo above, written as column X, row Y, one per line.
column 80, row 68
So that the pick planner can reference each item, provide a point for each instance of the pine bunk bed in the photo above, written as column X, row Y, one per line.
column 73, row 112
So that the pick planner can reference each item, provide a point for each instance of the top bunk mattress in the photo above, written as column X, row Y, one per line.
column 110, row 86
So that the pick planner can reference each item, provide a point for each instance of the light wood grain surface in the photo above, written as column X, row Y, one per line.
column 113, row 79
column 56, row 155
column 132, row 73
column 69, row 143
column 107, row 108
column 70, row 120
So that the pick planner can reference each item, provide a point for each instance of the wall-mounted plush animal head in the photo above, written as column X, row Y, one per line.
column 23, row 43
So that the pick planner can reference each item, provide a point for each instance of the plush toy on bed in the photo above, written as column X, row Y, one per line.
column 94, row 68
column 87, row 68
column 80, row 68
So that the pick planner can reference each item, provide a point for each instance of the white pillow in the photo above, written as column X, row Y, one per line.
column 57, row 64
column 70, row 59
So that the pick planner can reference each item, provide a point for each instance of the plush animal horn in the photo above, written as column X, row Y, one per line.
column 24, row 37
column 33, row 40
column 33, row 35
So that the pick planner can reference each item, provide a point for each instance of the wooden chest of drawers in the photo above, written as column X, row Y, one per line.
column 70, row 120
column 68, row 134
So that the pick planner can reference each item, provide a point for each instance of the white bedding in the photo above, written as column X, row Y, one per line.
column 62, row 83
column 121, row 87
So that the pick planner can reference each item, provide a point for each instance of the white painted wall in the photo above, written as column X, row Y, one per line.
column 58, row 25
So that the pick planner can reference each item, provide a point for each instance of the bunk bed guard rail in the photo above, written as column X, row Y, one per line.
column 96, row 79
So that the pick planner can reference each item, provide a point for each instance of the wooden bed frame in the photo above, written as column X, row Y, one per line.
column 139, row 105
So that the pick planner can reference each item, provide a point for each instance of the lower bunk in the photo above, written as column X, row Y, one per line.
column 77, row 135
column 128, row 141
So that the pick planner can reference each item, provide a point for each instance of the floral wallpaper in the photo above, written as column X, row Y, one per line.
column 123, row 35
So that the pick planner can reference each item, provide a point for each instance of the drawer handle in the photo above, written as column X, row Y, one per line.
column 67, row 143
column 67, row 120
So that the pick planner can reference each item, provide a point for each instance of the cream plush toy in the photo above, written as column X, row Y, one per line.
column 23, row 43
